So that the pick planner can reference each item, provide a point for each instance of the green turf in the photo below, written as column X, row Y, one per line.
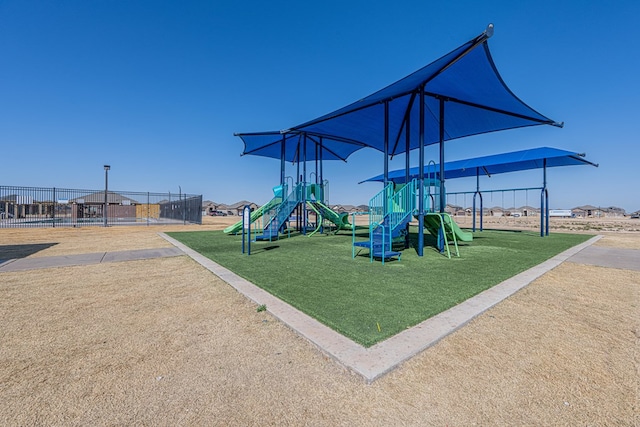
column 353, row 296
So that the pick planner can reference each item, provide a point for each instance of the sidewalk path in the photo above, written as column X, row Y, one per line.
column 601, row 256
column 23, row 264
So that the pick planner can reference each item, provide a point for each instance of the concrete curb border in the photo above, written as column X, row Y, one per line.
column 380, row 359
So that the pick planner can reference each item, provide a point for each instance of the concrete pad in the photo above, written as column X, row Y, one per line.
column 627, row 259
column 139, row 254
column 373, row 362
column 23, row 264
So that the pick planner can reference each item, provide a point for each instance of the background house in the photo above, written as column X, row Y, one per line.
column 118, row 206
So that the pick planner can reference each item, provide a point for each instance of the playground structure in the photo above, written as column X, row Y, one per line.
column 391, row 211
column 447, row 99
column 292, row 203
column 535, row 158
column 389, row 214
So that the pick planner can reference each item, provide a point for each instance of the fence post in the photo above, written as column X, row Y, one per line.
column 53, row 214
column 106, row 192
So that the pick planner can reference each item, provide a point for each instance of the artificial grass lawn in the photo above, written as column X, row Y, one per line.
column 318, row 276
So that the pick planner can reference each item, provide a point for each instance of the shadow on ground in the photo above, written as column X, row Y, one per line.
column 22, row 251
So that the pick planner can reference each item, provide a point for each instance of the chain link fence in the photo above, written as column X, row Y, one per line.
column 63, row 207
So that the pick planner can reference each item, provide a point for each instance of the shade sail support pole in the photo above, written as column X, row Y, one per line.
column 405, row 119
column 386, row 157
column 546, row 197
column 317, row 160
column 421, row 177
column 407, row 157
column 282, row 159
column 321, row 173
column 386, row 143
column 298, row 179
column 441, row 146
column 407, row 165
column 473, row 227
column 443, row 196
column 544, row 200
column 303, row 196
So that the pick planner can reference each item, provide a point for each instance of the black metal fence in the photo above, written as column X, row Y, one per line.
column 63, row 207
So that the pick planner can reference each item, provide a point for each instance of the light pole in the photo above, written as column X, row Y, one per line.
column 106, row 192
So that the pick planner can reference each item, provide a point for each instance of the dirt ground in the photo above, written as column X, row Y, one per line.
column 164, row 342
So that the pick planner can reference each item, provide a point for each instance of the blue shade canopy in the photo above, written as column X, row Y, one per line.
column 476, row 100
column 297, row 146
column 495, row 164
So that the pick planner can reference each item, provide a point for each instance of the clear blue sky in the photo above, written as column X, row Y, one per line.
column 157, row 88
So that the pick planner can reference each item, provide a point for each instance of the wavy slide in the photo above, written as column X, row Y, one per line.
column 340, row 220
column 255, row 215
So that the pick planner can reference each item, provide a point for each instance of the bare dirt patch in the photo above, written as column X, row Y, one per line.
column 164, row 342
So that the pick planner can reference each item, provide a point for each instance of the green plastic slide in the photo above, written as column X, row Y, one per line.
column 255, row 215
column 432, row 224
column 340, row 220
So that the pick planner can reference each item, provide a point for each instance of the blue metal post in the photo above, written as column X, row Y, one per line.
column 407, row 163
column 304, row 187
column 321, row 172
column 441, row 236
column 481, row 212
column 441, row 145
column 421, row 177
column 386, row 143
column 546, row 196
column 407, row 166
column 473, row 228
column 385, row 201
column 282, row 159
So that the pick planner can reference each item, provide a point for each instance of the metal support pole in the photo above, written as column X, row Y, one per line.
column 546, row 196
column 386, row 157
column 321, row 172
column 443, row 196
column 317, row 160
column 407, row 166
column 421, row 177
column 544, row 200
column 407, row 162
column 386, row 143
column 473, row 228
column 106, row 192
column 282, row 159
column 53, row 214
column 481, row 213
column 442, row 186
column 304, row 187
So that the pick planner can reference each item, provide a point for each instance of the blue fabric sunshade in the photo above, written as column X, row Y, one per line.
column 492, row 165
column 476, row 101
